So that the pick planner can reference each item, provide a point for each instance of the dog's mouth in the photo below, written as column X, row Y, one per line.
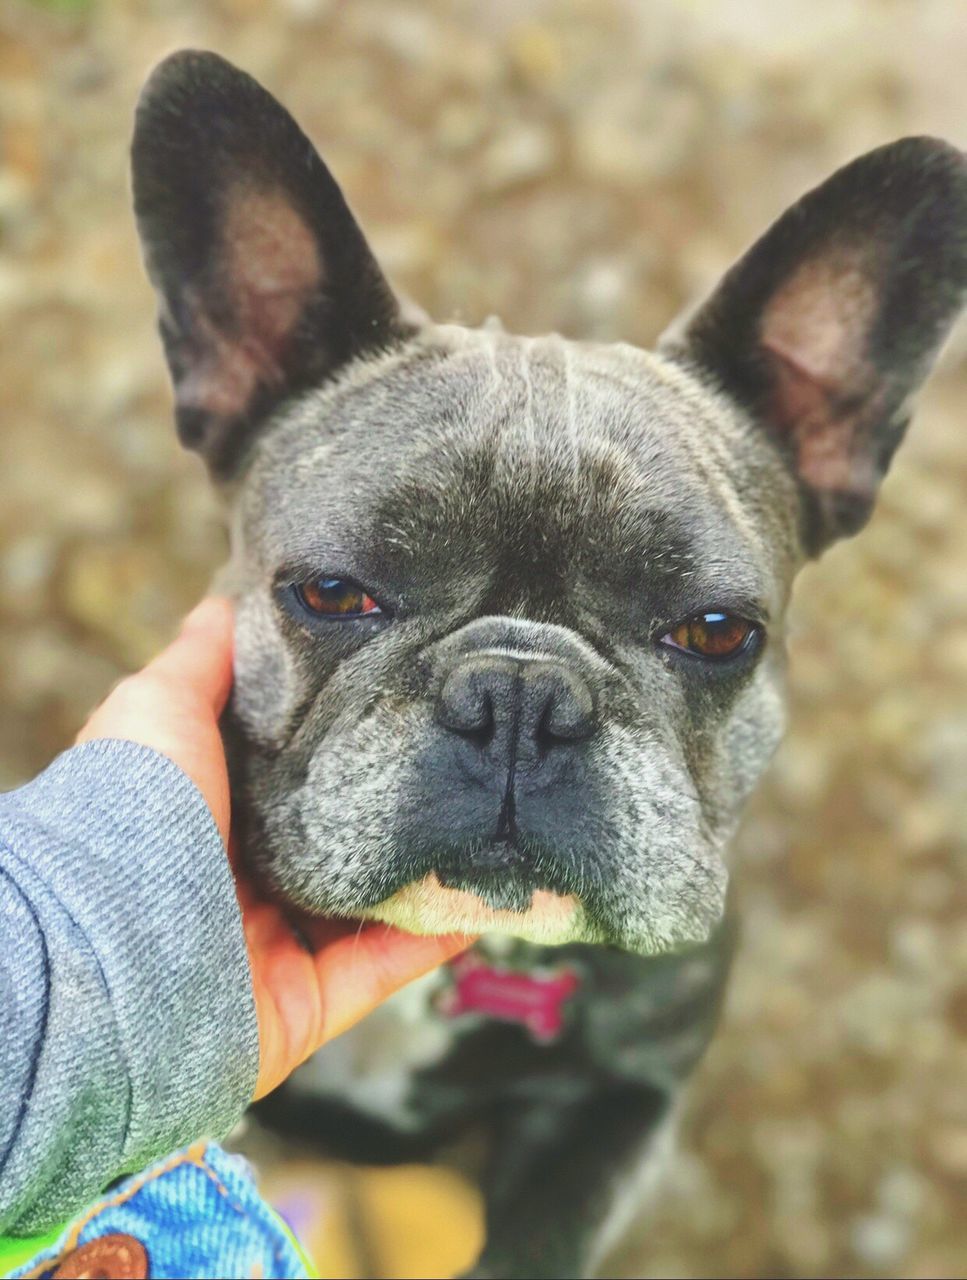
column 511, row 886
column 431, row 907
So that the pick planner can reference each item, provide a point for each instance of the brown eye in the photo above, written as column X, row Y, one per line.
column 336, row 598
column 711, row 635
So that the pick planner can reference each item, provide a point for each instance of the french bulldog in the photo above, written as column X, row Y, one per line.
column 510, row 624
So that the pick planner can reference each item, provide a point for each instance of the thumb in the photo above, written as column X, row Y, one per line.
column 199, row 659
column 173, row 704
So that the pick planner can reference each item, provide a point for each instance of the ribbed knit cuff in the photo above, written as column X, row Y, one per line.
column 126, row 842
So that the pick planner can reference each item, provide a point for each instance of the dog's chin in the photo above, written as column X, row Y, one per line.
column 428, row 907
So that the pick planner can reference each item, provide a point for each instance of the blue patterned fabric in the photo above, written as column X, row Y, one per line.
column 197, row 1214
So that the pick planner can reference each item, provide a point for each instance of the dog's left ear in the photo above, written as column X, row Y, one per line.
column 265, row 280
column 831, row 321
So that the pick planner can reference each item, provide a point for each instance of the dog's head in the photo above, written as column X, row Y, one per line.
column 509, row 638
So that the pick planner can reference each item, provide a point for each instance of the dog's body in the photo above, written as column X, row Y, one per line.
column 509, row 653
column 576, row 1123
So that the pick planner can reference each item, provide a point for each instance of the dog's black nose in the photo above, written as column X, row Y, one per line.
column 518, row 705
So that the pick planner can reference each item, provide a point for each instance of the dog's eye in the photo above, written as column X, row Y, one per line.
column 335, row 598
column 711, row 635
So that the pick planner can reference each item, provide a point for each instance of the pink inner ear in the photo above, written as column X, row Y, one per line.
column 273, row 268
column 270, row 271
column 816, row 328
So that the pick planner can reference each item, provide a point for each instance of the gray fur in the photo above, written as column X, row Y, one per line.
column 507, row 449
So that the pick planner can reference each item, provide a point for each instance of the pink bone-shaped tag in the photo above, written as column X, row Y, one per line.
column 537, row 1003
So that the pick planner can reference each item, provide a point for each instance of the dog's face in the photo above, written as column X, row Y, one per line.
column 510, row 610
column 520, row 528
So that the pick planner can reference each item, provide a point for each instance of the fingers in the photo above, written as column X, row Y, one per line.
column 200, row 657
column 195, row 670
column 361, row 969
column 173, row 704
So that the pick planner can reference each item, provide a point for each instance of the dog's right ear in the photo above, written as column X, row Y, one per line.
column 266, row 283
column 826, row 328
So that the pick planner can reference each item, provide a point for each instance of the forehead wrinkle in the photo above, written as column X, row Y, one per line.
column 711, row 441
column 540, row 427
column 624, row 501
column 526, row 351
column 708, row 441
column 491, row 336
column 495, row 516
column 561, row 363
column 740, row 520
column 571, row 398
column 431, row 395
column 594, row 478
column 587, row 449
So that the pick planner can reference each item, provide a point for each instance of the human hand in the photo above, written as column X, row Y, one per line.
column 312, row 978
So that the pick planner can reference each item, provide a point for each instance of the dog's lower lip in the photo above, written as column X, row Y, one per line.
column 541, row 900
column 428, row 906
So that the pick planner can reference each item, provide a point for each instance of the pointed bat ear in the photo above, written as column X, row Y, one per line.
column 831, row 321
column 265, row 281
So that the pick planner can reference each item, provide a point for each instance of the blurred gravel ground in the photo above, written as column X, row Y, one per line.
column 587, row 166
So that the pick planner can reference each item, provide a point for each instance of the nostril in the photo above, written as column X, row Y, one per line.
column 482, row 731
column 466, row 707
column 568, row 714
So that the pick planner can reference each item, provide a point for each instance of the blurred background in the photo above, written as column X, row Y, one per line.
column 586, row 166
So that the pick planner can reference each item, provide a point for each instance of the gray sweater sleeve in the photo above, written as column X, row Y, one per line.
column 127, row 1022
